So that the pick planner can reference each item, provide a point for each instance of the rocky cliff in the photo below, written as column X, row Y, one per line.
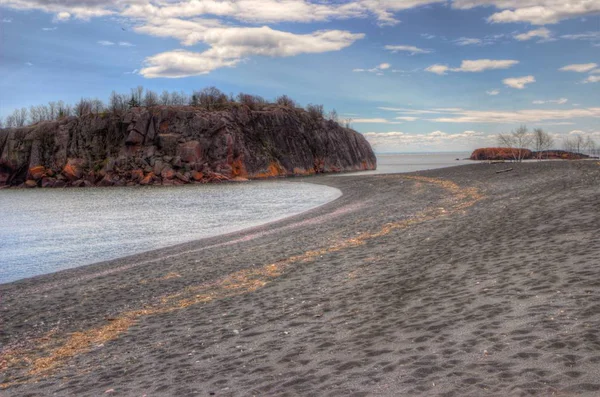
column 177, row 145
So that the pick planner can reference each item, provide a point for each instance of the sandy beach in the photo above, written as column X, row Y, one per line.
column 453, row 282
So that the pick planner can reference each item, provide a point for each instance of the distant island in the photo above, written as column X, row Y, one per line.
column 213, row 138
column 499, row 153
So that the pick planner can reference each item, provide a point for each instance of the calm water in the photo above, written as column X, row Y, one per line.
column 409, row 162
column 43, row 231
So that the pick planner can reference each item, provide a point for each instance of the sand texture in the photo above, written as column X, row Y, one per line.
column 452, row 282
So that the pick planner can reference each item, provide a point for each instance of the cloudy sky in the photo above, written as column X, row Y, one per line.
column 413, row 75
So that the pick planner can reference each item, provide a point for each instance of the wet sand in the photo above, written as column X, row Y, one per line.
column 452, row 282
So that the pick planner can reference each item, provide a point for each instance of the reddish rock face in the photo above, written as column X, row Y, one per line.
column 37, row 172
column 167, row 173
column 137, row 175
column 147, row 180
column 180, row 144
column 190, row 152
column 197, row 176
column 73, row 170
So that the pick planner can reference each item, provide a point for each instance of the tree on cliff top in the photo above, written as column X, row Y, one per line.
column 519, row 140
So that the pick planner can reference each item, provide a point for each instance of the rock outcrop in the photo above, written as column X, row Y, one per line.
column 494, row 153
column 177, row 145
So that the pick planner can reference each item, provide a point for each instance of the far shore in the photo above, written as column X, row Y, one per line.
column 463, row 281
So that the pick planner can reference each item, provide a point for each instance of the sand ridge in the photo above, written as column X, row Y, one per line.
column 426, row 290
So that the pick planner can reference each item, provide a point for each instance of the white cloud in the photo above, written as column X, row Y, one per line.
column 464, row 41
column 542, row 33
column 407, row 48
column 407, row 118
column 492, row 92
column 374, row 121
column 484, row 64
column 181, row 63
column 62, row 16
column 518, row 116
column 49, row 29
column 377, row 69
column 518, row 82
column 428, row 36
column 595, row 71
column 458, row 115
column 536, row 12
column 229, row 45
column 438, row 69
column 7, row 20
column 473, row 66
column 579, row 67
column 433, row 141
column 591, row 36
column 592, row 79
column 105, row 43
column 28, row 64
column 560, row 101
column 126, row 44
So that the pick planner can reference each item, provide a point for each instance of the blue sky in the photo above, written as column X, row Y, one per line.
column 413, row 75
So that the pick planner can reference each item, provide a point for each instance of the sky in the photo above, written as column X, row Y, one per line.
column 412, row 75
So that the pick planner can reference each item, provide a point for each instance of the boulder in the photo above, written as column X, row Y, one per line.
column 30, row 183
column 38, row 172
column 148, row 179
column 73, row 170
column 197, row 176
column 48, row 182
column 167, row 173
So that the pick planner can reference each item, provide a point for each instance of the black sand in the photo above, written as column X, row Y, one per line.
column 452, row 282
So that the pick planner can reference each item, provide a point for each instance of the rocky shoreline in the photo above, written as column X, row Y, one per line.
column 170, row 145
column 450, row 282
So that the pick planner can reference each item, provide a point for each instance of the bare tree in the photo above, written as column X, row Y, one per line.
column 518, row 141
column 83, row 107
column 286, row 101
column 180, row 98
column 590, row 145
column 52, row 109
column 165, row 98
column 210, row 98
column 316, row 112
column 137, row 96
column 1, row 122
column 347, row 122
column 574, row 143
column 150, row 99
column 63, row 110
column 96, row 106
column 542, row 141
column 254, row 102
column 333, row 116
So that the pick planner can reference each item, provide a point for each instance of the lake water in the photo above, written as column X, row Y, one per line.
column 409, row 162
column 46, row 230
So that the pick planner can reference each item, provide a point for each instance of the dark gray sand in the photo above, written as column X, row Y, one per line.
column 452, row 282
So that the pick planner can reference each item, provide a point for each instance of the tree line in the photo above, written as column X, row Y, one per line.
column 541, row 141
column 210, row 98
